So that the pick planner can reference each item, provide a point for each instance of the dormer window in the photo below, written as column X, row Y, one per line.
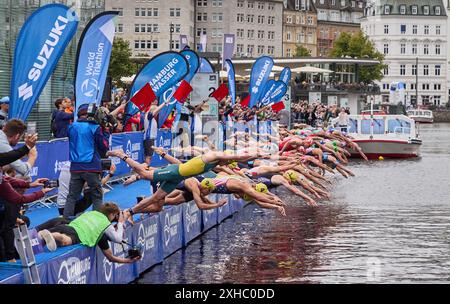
column 387, row 9
column 402, row 9
column 437, row 10
column 426, row 10
column 414, row 9
column 342, row 2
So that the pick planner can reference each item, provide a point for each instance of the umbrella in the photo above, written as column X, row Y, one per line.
column 310, row 69
column 127, row 79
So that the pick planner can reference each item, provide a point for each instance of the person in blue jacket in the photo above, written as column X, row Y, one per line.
column 88, row 144
column 60, row 118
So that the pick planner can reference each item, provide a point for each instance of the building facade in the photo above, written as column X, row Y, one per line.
column 299, row 27
column 413, row 38
column 335, row 17
column 13, row 14
column 146, row 25
column 255, row 24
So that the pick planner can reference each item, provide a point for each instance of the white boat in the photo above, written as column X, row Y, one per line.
column 389, row 136
column 421, row 116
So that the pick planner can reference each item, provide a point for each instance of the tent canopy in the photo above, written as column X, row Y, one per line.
column 275, row 68
column 310, row 69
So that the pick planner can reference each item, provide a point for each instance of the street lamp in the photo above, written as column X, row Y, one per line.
column 172, row 30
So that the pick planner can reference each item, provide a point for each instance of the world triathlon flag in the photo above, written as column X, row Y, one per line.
column 274, row 92
column 231, row 80
column 40, row 44
column 162, row 72
column 94, row 52
column 205, row 66
column 258, row 78
column 182, row 89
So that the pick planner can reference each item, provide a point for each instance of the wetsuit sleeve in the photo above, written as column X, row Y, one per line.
column 11, row 156
column 103, row 243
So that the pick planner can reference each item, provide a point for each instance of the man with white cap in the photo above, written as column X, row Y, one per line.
column 4, row 108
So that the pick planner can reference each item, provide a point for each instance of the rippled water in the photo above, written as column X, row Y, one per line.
column 388, row 224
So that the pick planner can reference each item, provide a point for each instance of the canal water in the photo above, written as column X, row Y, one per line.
column 389, row 224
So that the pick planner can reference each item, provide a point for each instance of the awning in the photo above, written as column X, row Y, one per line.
column 310, row 69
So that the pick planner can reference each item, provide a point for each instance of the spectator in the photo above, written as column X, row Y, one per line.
column 4, row 108
column 87, row 146
column 151, row 129
column 60, row 118
column 13, row 155
column 10, row 136
column 343, row 120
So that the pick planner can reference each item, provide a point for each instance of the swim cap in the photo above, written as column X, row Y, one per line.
column 208, row 183
column 233, row 164
column 260, row 187
column 291, row 175
column 247, row 197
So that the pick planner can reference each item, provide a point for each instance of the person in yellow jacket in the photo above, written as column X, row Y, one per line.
column 89, row 229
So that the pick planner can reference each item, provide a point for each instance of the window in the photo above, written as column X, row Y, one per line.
column 426, row 10
column 426, row 29
column 239, row 48
column 143, row 44
column 119, row 28
column 403, row 29
column 288, row 53
column 270, row 20
column 155, row 12
column 177, row 28
column 260, row 34
column 426, row 49
column 414, row 10
column 385, row 86
column 240, row 33
column 402, row 70
column 136, row 28
column 414, row 49
column 437, row 87
column 387, row 9
column 437, row 100
column 143, row 28
column 289, row 19
column 437, row 70
column 270, row 7
column 425, row 86
column 137, row 12
column 386, row 29
column 270, row 50
column 437, row 10
column 260, row 49
column 425, row 70
column 270, row 35
column 175, row 45
column 250, row 48
column 202, row 2
column 402, row 9
column 143, row 12
column 250, row 34
column 240, row 17
column 261, row 19
column 413, row 86
column 414, row 69
column 261, row 5
column 217, row 17
column 386, row 71
column 310, row 20
column 402, row 48
column 175, row 12
column 240, row 3
column 250, row 18
column 288, row 36
column 136, row 44
column 217, row 3
column 155, row 44
column 438, row 29
column 414, row 30
column 216, row 33
column 438, row 49
column 156, row 28
column 386, row 48
column 251, row 4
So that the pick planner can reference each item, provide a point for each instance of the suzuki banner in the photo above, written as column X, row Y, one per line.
column 194, row 64
column 285, row 75
column 258, row 78
column 162, row 72
column 93, row 55
column 40, row 44
column 231, row 80
column 228, row 48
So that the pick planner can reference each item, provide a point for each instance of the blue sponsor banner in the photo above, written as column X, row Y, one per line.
column 132, row 145
column 162, row 72
column 275, row 90
column 285, row 75
column 231, row 80
column 265, row 96
column 205, row 66
column 147, row 235
column 258, row 78
column 172, row 229
column 163, row 139
column 40, row 44
column 224, row 211
column 209, row 217
column 75, row 267
column 228, row 47
column 94, row 52
column 192, row 222
column 194, row 64
column 236, row 204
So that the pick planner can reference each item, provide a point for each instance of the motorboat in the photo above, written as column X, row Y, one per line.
column 389, row 136
column 421, row 116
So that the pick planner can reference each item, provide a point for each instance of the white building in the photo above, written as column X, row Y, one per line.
column 408, row 32
column 146, row 24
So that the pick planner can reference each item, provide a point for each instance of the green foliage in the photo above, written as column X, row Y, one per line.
column 301, row 51
column 121, row 64
column 359, row 46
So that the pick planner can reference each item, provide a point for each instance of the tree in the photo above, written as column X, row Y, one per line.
column 301, row 51
column 359, row 45
column 121, row 64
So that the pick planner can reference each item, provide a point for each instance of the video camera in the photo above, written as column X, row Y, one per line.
column 101, row 116
column 106, row 164
column 134, row 251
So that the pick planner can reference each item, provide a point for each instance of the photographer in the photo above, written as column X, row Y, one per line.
column 88, row 144
column 62, row 232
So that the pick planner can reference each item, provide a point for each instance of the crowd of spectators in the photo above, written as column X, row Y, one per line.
column 317, row 114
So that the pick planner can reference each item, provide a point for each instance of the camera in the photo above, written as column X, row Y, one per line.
column 101, row 116
column 51, row 184
column 106, row 164
column 134, row 252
